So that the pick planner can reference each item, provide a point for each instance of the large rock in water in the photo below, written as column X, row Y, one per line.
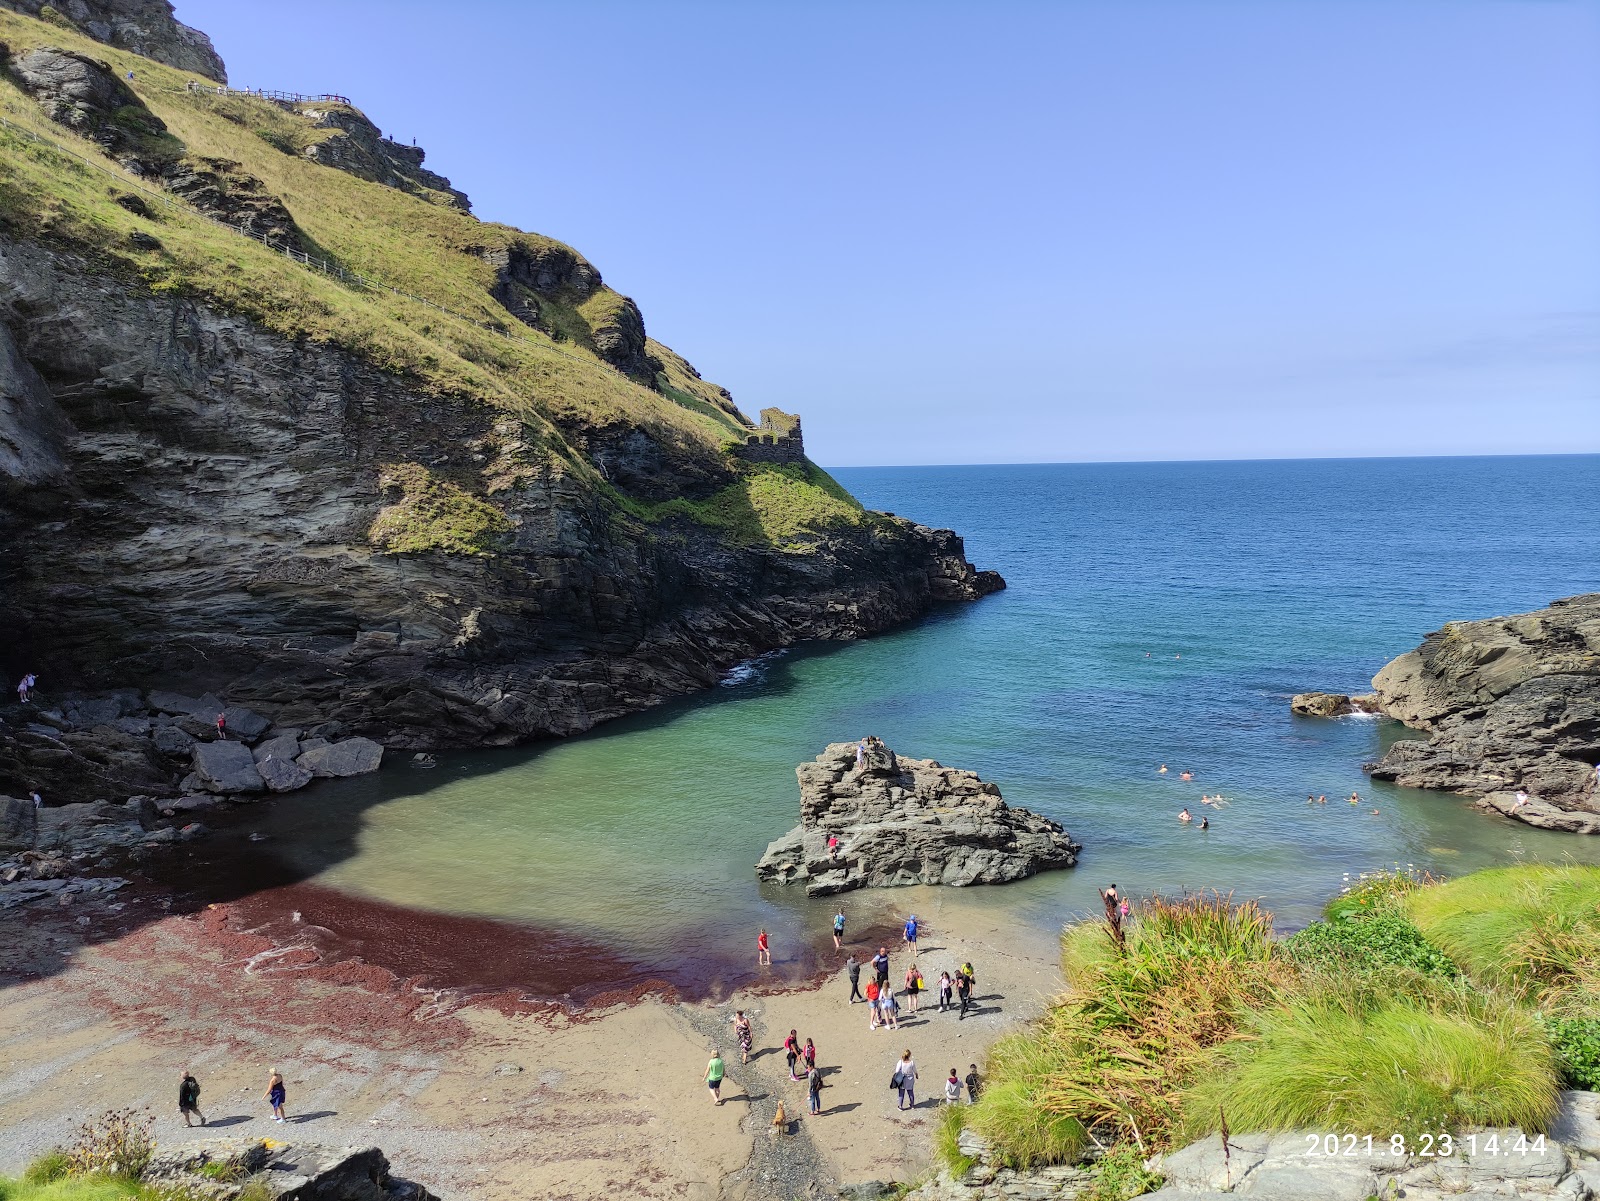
column 1509, row 703
column 907, row 821
column 351, row 757
column 226, row 767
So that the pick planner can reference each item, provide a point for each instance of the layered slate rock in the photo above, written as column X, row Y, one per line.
column 1510, row 704
column 1332, row 704
column 907, row 821
column 220, row 1168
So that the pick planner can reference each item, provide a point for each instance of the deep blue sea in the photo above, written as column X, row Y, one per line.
column 1156, row 613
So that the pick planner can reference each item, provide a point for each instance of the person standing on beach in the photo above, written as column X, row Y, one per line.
column 973, row 1083
column 874, row 990
column 905, row 1079
column 913, row 987
column 715, row 1070
column 791, row 1052
column 808, row 1055
column 946, row 987
column 742, row 1031
column 189, row 1098
column 911, row 934
column 964, row 991
column 890, row 1009
column 276, row 1095
column 814, row 1090
column 952, row 1089
column 853, row 970
column 838, row 930
column 763, row 951
column 880, row 965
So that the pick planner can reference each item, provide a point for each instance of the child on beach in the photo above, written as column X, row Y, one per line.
column 952, row 1089
column 808, row 1056
column 946, row 988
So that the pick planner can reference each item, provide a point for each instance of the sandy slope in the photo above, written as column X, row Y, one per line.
column 605, row 1104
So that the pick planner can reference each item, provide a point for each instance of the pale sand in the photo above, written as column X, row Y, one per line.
column 611, row 1106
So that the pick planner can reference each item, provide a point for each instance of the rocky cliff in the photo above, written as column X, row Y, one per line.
column 146, row 27
column 507, row 515
column 906, row 821
column 1510, row 704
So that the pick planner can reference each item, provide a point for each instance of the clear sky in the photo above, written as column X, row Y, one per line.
column 1004, row 231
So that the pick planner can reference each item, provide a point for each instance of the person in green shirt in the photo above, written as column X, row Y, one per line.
column 714, row 1074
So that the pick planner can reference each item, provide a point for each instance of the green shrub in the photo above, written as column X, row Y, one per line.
column 52, row 1165
column 946, row 1139
column 1370, row 1061
column 1372, row 942
column 1375, row 892
column 1119, row 1175
column 117, row 1143
column 1577, row 1045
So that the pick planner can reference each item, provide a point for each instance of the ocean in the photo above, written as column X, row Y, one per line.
column 1156, row 613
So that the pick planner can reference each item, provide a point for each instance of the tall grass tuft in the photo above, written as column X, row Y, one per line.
column 1532, row 928
column 1367, row 1060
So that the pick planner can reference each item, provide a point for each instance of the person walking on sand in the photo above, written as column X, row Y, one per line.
column 276, row 1095
column 189, row 1098
column 715, row 1070
column 952, row 1089
column 838, row 930
column 973, row 1083
column 880, row 965
column 911, row 933
column 853, row 970
column 873, row 990
column 791, row 1052
column 814, row 1090
column 914, row 986
column 763, row 950
column 905, row 1079
column 946, row 991
column 964, row 991
column 746, row 1037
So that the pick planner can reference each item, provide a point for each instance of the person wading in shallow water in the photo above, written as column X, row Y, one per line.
column 763, row 951
column 276, row 1095
column 838, row 930
column 189, row 1098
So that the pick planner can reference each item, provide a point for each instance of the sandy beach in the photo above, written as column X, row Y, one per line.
column 494, row 1095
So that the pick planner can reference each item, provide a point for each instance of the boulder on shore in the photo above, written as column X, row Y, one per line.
column 349, row 757
column 226, row 767
column 1332, row 704
column 221, row 1168
column 907, row 821
column 1510, row 703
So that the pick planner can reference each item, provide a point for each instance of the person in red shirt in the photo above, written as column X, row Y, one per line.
column 763, row 951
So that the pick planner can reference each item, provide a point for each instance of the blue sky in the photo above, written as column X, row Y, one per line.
column 1037, row 232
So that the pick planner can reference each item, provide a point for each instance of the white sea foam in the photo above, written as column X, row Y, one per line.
column 751, row 671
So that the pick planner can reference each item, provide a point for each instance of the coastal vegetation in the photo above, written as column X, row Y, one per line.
column 1413, row 1006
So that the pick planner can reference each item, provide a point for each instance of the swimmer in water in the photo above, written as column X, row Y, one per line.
column 1162, row 770
column 1310, row 800
column 1354, row 799
column 1374, row 813
column 1187, row 775
column 1205, row 822
column 1185, row 816
column 1323, row 799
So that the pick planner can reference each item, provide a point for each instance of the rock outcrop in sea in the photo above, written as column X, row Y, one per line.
column 907, row 821
column 1510, row 705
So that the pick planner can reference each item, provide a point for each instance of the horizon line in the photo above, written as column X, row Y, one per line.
column 1536, row 454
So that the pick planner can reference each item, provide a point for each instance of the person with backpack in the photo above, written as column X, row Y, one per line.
column 189, row 1098
column 904, row 1080
column 964, row 992
column 814, row 1090
column 913, row 987
column 973, row 1083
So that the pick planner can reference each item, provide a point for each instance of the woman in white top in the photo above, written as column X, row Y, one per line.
column 906, row 1073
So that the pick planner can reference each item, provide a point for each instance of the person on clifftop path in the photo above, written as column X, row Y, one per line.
column 911, row 933
column 741, row 1030
column 715, row 1070
column 189, row 1098
column 763, row 951
column 853, row 970
column 880, row 965
column 276, row 1095
column 838, row 930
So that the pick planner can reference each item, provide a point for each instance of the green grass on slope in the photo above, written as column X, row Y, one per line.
column 785, row 506
column 1527, row 927
column 430, row 250
column 1366, row 1061
column 77, row 1188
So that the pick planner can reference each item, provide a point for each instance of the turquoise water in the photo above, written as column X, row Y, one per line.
column 1156, row 613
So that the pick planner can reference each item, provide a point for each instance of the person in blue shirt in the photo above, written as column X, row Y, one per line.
column 911, row 932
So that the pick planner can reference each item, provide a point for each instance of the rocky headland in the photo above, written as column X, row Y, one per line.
column 1510, row 705
column 223, row 475
column 906, row 821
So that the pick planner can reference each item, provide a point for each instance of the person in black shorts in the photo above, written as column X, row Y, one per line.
column 189, row 1098
column 853, row 970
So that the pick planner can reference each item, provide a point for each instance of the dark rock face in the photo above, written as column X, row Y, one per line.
column 360, row 149
column 85, row 95
column 907, row 821
column 146, row 27
column 1332, row 704
column 1511, row 703
column 220, row 189
column 197, row 519
column 286, row 1171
